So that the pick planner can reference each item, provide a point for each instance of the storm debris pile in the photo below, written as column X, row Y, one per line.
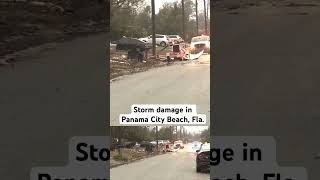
column 121, row 65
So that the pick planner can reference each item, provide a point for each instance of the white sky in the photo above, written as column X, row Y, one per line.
column 194, row 129
column 159, row 3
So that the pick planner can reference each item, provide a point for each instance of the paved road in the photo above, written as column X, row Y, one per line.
column 48, row 97
column 267, row 80
column 183, row 83
column 171, row 166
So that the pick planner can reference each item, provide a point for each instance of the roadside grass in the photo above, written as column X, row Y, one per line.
column 120, row 65
column 23, row 25
column 127, row 155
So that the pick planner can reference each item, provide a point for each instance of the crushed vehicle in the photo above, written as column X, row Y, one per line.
column 178, row 53
column 176, row 39
column 172, row 147
column 200, row 43
column 169, row 147
column 136, row 48
column 149, row 147
column 129, row 144
column 179, row 144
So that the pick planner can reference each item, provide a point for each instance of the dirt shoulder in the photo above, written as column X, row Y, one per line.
column 129, row 156
column 32, row 23
column 120, row 65
column 230, row 5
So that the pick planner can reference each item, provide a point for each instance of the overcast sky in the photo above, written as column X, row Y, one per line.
column 194, row 129
column 159, row 3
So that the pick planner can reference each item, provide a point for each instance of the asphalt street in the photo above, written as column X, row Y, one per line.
column 49, row 96
column 266, row 79
column 178, row 165
column 181, row 83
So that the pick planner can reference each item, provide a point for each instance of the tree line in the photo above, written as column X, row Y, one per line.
column 132, row 18
column 145, row 133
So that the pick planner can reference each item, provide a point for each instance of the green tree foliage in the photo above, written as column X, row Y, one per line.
column 202, row 23
column 124, row 15
column 165, row 133
column 169, row 19
column 144, row 133
column 132, row 133
column 132, row 18
column 205, row 136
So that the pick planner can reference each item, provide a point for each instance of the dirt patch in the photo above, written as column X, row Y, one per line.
column 229, row 5
column 31, row 23
column 120, row 65
column 129, row 156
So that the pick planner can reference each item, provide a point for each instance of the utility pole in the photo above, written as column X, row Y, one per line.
column 157, row 138
column 120, row 131
column 171, row 135
column 176, row 132
column 153, row 28
column 183, row 23
column 205, row 17
column 197, row 22
column 208, row 9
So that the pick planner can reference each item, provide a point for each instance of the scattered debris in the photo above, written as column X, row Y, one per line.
column 120, row 65
column 30, row 23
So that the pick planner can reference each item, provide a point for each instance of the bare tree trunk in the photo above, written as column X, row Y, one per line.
column 157, row 138
column 197, row 21
column 119, row 142
column 205, row 17
column 153, row 16
column 183, row 20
